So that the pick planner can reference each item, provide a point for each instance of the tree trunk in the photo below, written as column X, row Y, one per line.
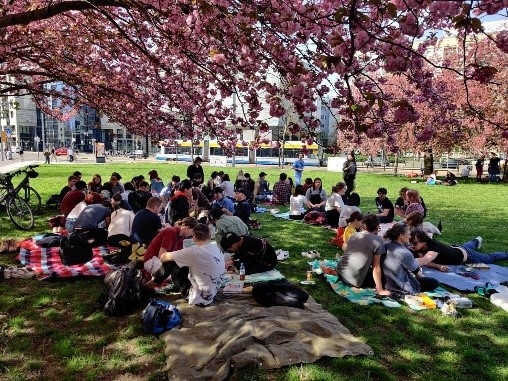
column 428, row 163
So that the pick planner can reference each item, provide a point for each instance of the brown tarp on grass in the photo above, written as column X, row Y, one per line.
column 237, row 332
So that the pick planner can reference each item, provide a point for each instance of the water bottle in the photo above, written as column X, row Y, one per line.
column 462, row 302
column 242, row 271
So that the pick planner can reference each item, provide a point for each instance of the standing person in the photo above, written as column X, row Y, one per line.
column 298, row 166
column 21, row 154
column 494, row 169
column 47, row 155
column 70, row 154
column 360, row 266
column 195, row 168
column 479, row 168
column 349, row 173
column 401, row 270
column 53, row 155
column 385, row 208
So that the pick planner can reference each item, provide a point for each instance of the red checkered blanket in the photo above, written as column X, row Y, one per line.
column 46, row 262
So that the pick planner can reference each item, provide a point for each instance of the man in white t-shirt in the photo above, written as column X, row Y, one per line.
column 206, row 266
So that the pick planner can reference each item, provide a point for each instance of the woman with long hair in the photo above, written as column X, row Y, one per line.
column 401, row 270
column 316, row 196
column 156, row 183
column 334, row 204
column 297, row 203
column 95, row 184
column 120, row 227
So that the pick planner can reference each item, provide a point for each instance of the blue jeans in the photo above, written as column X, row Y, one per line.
column 475, row 257
column 298, row 178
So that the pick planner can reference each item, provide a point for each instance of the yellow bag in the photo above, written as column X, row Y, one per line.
column 138, row 252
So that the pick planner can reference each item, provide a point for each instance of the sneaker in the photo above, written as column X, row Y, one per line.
column 480, row 241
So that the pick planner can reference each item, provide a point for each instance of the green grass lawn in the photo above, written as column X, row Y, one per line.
column 51, row 330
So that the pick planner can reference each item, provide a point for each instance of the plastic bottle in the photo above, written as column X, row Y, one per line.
column 242, row 271
column 462, row 302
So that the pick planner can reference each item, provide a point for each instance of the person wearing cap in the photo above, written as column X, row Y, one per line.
column 195, row 168
column 385, row 208
column 298, row 166
column 222, row 202
column 261, row 188
column 242, row 207
column 256, row 254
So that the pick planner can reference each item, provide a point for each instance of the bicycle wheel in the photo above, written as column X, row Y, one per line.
column 20, row 213
column 32, row 198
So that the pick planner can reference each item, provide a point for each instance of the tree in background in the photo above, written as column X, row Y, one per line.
column 145, row 63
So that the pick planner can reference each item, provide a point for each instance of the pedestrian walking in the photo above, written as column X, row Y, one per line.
column 298, row 166
column 47, row 155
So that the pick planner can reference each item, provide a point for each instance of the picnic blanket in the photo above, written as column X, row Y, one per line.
column 362, row 296
column 237, row 332
column 495, row 275
column 46, row 262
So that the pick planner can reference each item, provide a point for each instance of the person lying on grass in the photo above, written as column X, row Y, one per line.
column 401, row 270
column 438, row 255
column 256, row 254
column 360, row 266
column 206, row 266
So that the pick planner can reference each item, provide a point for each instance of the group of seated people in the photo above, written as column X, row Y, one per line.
column 393, row 266
column 138, row 213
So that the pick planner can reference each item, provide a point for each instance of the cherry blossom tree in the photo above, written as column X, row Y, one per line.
column 153, row 66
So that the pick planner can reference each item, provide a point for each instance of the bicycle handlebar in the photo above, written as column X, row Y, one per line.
column 19, row 171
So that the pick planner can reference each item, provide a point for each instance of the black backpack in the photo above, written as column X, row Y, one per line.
column 75, row 249
column 123, row 294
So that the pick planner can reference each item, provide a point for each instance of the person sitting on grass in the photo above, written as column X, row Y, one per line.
column 316, row 196
column 281, row 190
column 334, row 204
column 438, row 255
column 169, row 240
column 256, row 254
column 384, row 206
column 226, row 224
column 450, row 179
column 414, row 202
column 147, row 222
column 401, row 270
column 206, row 266
column 73, row 198
column 360, row 266
column 120, row 226
column 415, row 222
column 297, row 203
column 354, row 224
column 352, row 204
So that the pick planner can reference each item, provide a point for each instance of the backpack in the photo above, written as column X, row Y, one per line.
column 160, row 316
column 75, row 248
column 124, row 291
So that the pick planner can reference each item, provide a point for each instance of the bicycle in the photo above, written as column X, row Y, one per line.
column 18, row 210
column 24, row 190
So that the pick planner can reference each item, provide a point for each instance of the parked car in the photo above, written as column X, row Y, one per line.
column 378, row 161
column 15, row 149
column 61, row 151
column 453, row 163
